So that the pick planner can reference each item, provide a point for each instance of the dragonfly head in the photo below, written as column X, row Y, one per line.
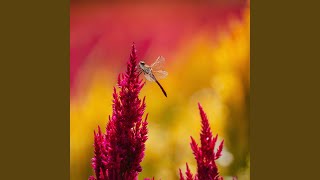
column 142, row 63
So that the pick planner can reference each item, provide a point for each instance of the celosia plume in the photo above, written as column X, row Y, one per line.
column 205, row 154
column 119, row 152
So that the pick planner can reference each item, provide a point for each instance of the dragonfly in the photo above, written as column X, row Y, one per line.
column 154, row 71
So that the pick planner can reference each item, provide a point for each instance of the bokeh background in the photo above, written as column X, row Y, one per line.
column 207, row 49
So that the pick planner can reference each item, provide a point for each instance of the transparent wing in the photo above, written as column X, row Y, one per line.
column 158, row 64
column 160, row 74
column 149, row 78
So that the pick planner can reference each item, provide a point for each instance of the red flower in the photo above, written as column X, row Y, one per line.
column 119, row 152
column 205, row 155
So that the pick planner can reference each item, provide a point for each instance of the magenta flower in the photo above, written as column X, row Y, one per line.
column 189, row 175
column 204, row 155
column 119, row 152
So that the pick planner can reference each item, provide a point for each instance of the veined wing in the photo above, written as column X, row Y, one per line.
column 160, row 74
column 157, row 65
column 149, row 78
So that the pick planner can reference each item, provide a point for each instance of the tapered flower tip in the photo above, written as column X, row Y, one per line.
column 188, row 173
column 181, row 175
column 133, row 47
column 192, row 140
column 202, row 113
column 99, row 130
column 145, row 119
column 187, row 166
column 219, row 151
column 199, row 105
column 133, row 50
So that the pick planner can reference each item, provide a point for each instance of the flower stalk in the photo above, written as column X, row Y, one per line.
column 119, row 152
column 205, row 155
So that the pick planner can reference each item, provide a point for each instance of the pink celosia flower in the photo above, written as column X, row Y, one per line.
column 119, row 152
column 205, row 155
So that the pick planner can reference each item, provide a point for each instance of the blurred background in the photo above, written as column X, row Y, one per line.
column 207, row 49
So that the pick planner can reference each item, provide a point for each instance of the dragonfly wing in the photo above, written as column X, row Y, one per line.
column 160, row 74
column 157, row 65
column 149, row 78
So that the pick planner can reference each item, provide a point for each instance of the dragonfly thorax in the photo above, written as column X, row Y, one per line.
column 145, row 68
